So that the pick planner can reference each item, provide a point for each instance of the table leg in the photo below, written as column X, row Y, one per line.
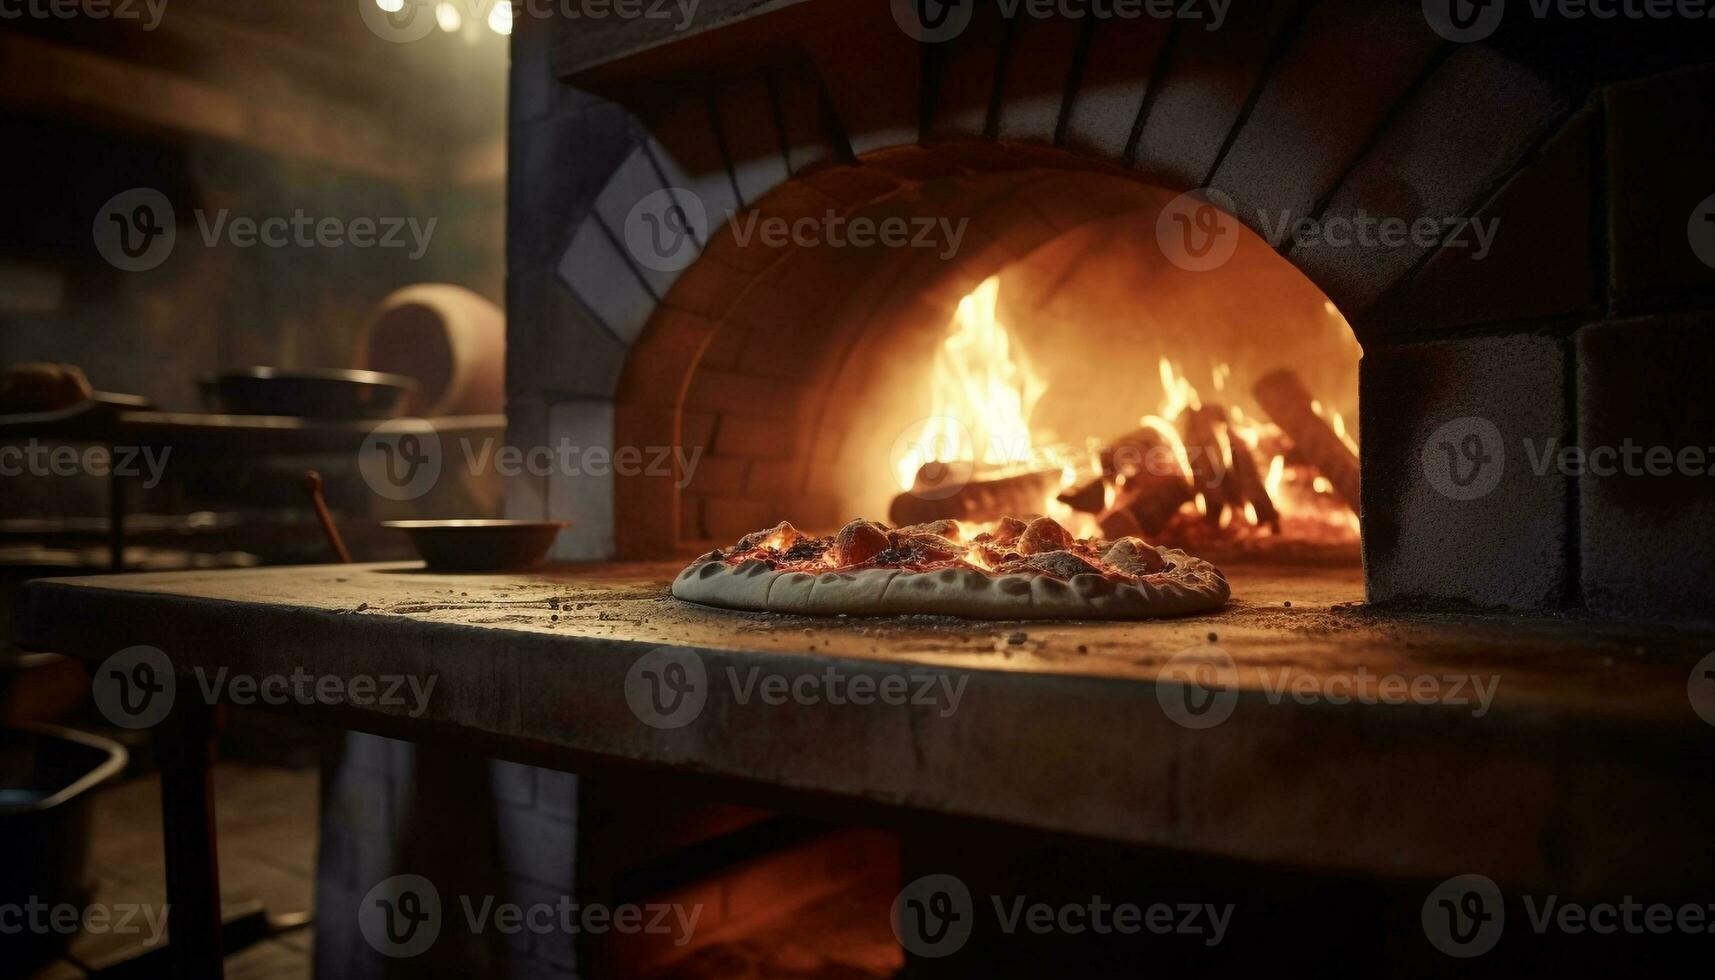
column 184, row 745
column 116, row 488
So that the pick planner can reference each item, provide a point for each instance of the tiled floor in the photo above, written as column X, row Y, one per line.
column 266, row 820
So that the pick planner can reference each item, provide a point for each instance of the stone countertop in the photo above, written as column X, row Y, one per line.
column 1318, row 734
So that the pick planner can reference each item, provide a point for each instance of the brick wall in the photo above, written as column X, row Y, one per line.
column 1588, row 327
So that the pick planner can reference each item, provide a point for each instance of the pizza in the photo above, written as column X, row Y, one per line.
column 1011, row 569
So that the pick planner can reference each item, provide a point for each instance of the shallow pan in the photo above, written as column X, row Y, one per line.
column 480, row 546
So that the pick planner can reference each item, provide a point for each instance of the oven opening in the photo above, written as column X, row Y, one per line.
column 1079, row 345
column 1097, row 382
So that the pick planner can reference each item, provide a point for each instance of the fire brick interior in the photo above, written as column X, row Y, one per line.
column 802, row 422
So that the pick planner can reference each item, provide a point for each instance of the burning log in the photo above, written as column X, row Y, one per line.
column 960, row 491
column 1119, row 523
column 1197, row 427
column 1242, row 481
column 1091, row 498
column 1282, row 394
column 1152, row 486
column 1247, row 481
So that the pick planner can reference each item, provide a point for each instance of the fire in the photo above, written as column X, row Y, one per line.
column 1178, row 393
column 981, row 393
column 1276, row 470
column 1305, row 500
column 1336, row 422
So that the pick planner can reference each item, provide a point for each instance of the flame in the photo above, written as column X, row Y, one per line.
column 981, row 393
column 1276, row 470
column 1335, row 421
column 1169, row 434
column 1339, row 424
column 1179, row 393
column 1301, row 498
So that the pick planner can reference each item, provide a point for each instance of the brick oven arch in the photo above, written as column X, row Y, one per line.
column 751, row 343
column 759, row 355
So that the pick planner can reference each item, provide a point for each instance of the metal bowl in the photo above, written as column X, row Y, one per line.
column 480, row 546
column 313, row 393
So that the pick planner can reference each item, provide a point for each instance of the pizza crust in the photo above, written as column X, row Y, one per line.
column 1192, row 585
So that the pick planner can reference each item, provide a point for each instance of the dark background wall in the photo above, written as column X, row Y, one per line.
column 207, row 308
column 261, row 109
